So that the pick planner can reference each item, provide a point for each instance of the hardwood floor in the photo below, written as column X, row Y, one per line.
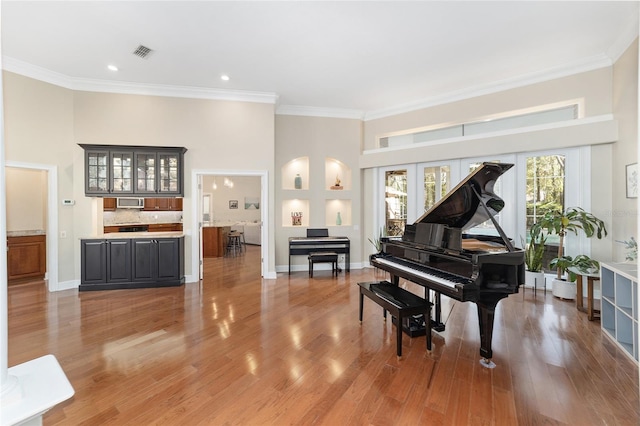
column 236, row 349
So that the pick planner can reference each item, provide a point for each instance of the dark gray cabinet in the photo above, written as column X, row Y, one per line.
column 147, row 171
column 93, row 266
column 131, row 263
column 153, row 259
column 118, row 265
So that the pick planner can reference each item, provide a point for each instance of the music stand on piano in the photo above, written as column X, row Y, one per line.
column 317, row 232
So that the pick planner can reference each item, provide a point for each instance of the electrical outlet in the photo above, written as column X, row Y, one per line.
column 63, row 234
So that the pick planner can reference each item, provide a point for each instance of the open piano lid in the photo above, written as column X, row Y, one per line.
column 460, row 207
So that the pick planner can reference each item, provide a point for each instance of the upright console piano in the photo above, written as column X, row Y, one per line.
column 318, row 239
column 434, row 252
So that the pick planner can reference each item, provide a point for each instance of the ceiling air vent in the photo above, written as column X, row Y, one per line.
column 142, row 51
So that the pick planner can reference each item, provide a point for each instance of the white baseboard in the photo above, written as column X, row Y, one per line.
column 64, row 285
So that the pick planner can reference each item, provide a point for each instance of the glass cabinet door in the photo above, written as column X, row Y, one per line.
column 169, row 176
column 145, row 172
column 122, row 172
column 121, row 169
column 97, row 180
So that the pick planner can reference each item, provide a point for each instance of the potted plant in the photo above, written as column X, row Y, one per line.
column 533, row 255
column 377, row 241
column 573, row 219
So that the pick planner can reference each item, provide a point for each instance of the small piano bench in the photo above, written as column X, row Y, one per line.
column 400, row 303
column 323, row 257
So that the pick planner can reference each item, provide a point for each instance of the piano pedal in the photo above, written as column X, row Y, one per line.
column 487, row 363
column 437, row 326
column 414, row 326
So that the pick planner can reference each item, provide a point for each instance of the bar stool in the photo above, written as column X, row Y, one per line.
column 233, row 243
column 240, row 230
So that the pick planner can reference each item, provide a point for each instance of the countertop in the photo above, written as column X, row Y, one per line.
column 140, row 223
column 26, row 233
column 227, row 224
column 129, row 235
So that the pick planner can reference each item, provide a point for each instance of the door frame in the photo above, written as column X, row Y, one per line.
column 51, row 274
column 196, row 241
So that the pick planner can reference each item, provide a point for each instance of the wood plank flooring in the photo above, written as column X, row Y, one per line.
column 238, row 350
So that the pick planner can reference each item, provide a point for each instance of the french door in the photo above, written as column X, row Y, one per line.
column 409, row 190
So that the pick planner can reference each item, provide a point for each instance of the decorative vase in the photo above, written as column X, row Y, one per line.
column 297, row 182
column 563, row 289
column 338, row 219
column 534, row 280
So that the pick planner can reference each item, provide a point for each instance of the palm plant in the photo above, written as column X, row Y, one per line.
column 534, row 253
column 573, row 219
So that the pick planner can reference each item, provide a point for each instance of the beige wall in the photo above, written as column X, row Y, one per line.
column 217, row 134
column 624, row 211
column 39, row 130
column 318, row 139
column 44, row 124
column 26, row 199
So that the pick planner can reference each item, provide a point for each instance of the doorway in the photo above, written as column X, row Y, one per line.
column 230, row 197
column 49, row 214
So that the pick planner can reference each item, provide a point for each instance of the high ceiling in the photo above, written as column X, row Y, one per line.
column 360, row 57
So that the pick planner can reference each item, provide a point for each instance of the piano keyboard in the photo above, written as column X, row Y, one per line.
column 435, row 275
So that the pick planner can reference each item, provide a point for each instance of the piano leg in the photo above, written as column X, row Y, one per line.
column 437, row 324
column 486, row 312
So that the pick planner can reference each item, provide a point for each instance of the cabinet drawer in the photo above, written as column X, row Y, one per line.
column 165, row 227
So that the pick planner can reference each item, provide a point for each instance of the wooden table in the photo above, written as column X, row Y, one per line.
column 591, row 312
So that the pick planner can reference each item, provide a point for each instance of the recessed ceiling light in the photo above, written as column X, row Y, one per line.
column 224, row 77
column 112, row 67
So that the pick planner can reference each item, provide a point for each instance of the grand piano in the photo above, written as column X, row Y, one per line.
column 434, row 252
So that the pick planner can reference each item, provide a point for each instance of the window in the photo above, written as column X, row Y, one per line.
column 437, row 181
column 395, row 202
column 506, row 121
column 504, row 188
column 545, row 188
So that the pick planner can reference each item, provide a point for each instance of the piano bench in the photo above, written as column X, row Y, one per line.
column 400, row 303
column 323, row 257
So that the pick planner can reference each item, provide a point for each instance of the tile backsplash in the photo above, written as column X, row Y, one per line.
column 133, row 216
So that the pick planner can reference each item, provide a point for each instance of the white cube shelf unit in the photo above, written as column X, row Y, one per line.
column 619, row 310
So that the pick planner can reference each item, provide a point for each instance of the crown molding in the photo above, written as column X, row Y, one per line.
column 319, row 112
column 37, row 73
column 626, row 36
column 89, row 85
column 588, row 64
